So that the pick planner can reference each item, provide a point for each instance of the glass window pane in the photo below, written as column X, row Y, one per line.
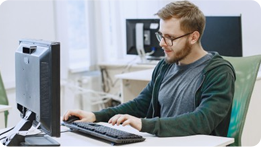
column 77, row 24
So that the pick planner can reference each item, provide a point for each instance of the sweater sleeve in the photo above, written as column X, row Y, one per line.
column 216, row 99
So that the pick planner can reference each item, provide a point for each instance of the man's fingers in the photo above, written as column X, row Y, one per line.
column 117, row 119
column 126, row 119
column 114, row 119
column 121, row 119
column 66, row 115
column 127, row 122
column 70, row 113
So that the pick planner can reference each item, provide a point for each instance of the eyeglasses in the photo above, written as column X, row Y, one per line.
column 169, row 40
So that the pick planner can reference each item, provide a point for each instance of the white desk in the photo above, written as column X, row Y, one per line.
column 3, row 108
column 132, row 83
column 73, row 139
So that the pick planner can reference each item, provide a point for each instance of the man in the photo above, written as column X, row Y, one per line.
column 191, row 90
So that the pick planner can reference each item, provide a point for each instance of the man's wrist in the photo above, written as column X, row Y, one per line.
column 93, row 117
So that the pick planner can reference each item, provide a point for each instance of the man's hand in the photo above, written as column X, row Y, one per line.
column 126, row 119
column 83, row 115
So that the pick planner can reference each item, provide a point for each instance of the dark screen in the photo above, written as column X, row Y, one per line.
column 223, row 34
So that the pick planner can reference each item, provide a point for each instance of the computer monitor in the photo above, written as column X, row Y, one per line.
column 37, row 70
column 222, row 34
column 141, row 39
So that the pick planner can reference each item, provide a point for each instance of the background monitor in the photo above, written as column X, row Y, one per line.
column 37, row 71
column 222, row 34
column 150, row 42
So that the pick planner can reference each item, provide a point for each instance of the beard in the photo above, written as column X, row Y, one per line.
column 179, row 54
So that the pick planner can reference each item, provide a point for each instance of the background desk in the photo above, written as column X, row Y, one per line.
column 132, row 83
column 73, row 139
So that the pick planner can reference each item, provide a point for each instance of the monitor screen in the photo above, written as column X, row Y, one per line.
column 222, row 34
column 37, row 67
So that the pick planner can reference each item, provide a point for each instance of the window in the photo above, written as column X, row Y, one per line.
column 73, row 30
column 77, row 34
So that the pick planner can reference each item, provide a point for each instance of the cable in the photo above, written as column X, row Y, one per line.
column 3, row 138
column 101, row 95
column 104, row 77
column 107, row 83
column 125, row 69
column 129, row 65
column 6, row 131
column 151, row 52
column 66, row 131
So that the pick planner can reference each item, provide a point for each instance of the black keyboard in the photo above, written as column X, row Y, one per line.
column 110, row 134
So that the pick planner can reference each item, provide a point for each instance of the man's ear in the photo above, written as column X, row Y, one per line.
column 194, row 37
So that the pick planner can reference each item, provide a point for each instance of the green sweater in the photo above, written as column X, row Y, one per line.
column 213, row 102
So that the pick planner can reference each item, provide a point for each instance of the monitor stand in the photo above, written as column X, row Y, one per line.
column 145, row 58
column 139, row 35
column 13, row 138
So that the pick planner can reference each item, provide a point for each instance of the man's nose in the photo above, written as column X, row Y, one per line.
column 162, row 43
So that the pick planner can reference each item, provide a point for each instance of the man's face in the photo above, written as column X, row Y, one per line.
column 180, row 47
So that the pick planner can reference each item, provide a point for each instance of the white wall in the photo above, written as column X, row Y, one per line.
column 20, row 19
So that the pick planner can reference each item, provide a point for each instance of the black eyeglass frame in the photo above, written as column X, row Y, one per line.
column 158, row 34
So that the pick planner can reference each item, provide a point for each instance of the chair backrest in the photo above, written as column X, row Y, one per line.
column 3, row 98
column 246, row 72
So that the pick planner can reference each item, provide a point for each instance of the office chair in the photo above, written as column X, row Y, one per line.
column 246, row 72
column 3, row 98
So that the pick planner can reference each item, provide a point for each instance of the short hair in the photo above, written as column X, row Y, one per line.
column 191, row 17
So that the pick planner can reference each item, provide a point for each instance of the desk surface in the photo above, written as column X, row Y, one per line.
column 144, row 75
column 125, row 63
column 73, row 139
